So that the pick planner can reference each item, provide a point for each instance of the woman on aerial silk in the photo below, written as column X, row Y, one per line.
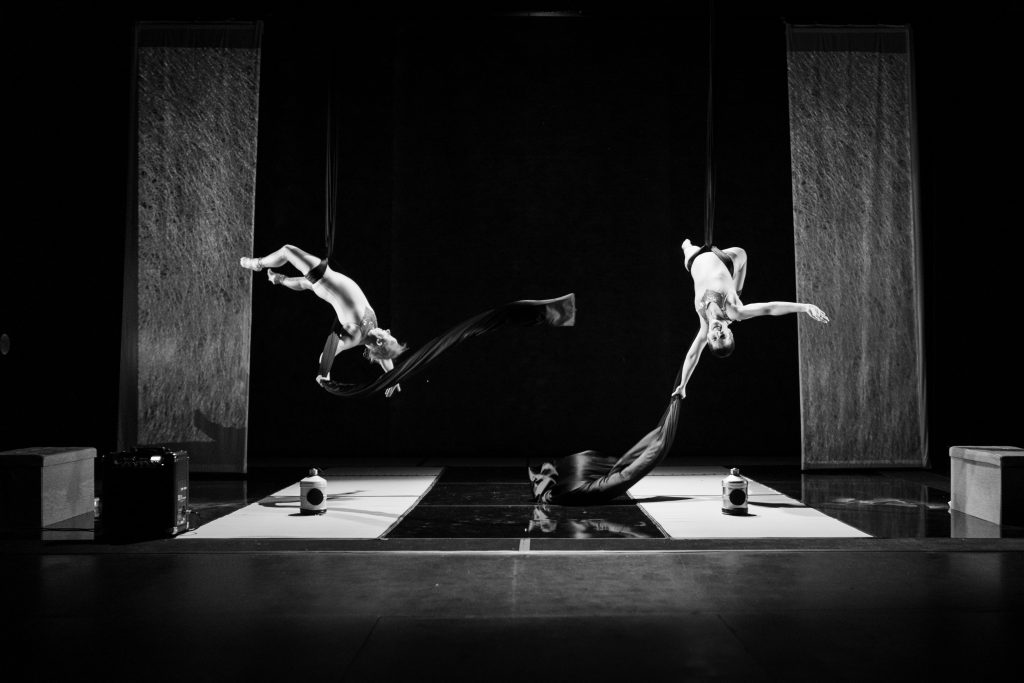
column 356, row 323
column 718, row 276
column 589, row 478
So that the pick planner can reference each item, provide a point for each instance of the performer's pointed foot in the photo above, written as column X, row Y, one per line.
column 250, row 263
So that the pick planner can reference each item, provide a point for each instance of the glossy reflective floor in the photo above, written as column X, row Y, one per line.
column 481, row 501
column 598, row 604
column 495, row 501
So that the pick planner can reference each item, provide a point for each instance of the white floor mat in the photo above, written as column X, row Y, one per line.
column 361, row 503
column 687, row 503
column 365, row 502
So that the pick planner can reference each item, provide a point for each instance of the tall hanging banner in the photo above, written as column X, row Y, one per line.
column 857, row 240
column 187, row 304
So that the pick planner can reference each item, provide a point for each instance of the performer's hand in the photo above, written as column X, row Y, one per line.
column 680, row 391
column 320, row 379
column 391, row 390
column 817, row 313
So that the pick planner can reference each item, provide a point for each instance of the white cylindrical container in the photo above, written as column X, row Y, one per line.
column 313, row 494
column 734, row 494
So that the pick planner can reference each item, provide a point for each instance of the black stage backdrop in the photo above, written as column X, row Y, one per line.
column 484, row 159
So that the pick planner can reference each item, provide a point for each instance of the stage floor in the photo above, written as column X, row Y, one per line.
column 496, row 502
column 909, row 598
column 467, row 504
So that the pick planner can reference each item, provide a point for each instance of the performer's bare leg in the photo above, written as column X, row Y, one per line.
column 688, row 250
column 297, row 283
column 301, row 260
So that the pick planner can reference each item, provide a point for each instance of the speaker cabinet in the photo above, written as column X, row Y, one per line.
column 144, row 492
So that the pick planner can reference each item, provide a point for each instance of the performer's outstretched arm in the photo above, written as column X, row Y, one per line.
column 692, row 356
column 388, row 365
column 345, row 343
column 747, row 311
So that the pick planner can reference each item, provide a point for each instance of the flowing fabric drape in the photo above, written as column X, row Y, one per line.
column 559, row 312
column 589, row 478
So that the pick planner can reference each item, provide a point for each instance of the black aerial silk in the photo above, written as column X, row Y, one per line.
column 709, row 150
column 589, row 478
column 560, row 312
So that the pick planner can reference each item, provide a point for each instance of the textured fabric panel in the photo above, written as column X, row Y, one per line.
column 856, row 257
column 196, row 136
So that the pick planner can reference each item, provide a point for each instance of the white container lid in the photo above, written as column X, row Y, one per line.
column 1003, row 456
column 45, row 456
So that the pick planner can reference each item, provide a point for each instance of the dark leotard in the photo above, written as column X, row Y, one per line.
column 317, row 274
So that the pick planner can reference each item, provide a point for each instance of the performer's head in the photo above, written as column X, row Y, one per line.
column 380, row 345
column 720, row 339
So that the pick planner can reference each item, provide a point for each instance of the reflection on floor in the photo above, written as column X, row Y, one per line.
column 497, row 502
column 884, row 506
column 880, row 503
column 883, row 503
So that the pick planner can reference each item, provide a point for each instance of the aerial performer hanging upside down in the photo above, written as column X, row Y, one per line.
column 356, row 323
column 588, row 478
column 718, row 276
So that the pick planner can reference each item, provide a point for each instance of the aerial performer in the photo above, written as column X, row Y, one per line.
column 588, row 478
column 719, row 274
column 356, row 324
column 718, row 278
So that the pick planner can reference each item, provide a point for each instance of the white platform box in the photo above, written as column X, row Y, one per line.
column 45, row 485
column 988, row 482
